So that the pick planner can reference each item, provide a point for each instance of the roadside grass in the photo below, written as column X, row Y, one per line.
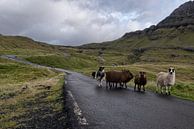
column 13, row 73
column 30, row 96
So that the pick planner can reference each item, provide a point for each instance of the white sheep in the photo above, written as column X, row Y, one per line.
column 166, row 80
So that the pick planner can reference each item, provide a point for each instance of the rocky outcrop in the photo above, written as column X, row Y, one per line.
column 182, row 16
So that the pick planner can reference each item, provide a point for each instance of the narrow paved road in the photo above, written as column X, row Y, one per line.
column 125, row 109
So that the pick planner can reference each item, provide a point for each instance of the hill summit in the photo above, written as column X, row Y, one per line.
column 182, row 17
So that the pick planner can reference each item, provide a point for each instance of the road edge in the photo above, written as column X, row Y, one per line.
column 75, row 118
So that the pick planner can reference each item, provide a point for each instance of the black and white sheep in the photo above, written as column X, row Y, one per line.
column 100, row 75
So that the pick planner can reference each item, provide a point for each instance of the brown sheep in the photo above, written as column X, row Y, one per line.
column 123, row 76
column 140, row 80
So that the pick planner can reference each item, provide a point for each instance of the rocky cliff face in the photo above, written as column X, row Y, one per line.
column 181, row 18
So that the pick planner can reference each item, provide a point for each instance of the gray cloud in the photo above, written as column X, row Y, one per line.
column 74, row 22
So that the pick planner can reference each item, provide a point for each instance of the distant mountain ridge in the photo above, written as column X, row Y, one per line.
column 176, row 30
column 181, row 17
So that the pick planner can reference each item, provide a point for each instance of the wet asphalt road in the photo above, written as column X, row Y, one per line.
column 126, row 109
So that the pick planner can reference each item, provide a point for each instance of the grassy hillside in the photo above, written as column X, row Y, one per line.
column 42, row 53
column 162, row 45
column 162, row 38
column 18, row 45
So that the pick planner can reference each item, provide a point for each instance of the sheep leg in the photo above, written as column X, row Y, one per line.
column 135, row 87
column 116, row 85
column 106, row 85
column 169, row 89
column 121, row 84
column 157, row 88
column 144, row 88
column 161, row 89
column 100, row 84
column 113, row 85
column 110, row 85
column 139, row 88
column 166, row 90
column 126, row 85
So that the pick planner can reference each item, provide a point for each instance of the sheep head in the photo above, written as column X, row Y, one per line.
column 101, row 68
column 128, row 73
column 171, row 70
column 142, row 74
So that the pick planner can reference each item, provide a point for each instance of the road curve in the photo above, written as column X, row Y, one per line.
column 124, row 108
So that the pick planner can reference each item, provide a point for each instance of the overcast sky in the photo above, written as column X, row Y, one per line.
column 75, row 22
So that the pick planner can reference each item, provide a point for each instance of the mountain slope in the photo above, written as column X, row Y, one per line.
column 182, row 16
column 19, row 45
column 177, row 30
column 171, row 40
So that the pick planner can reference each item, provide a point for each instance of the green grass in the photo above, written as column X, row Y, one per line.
column 71, row 62
column 184, row 91
column 23, row 46
column 17, row 73
column 168, row 55
column 21, row 88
